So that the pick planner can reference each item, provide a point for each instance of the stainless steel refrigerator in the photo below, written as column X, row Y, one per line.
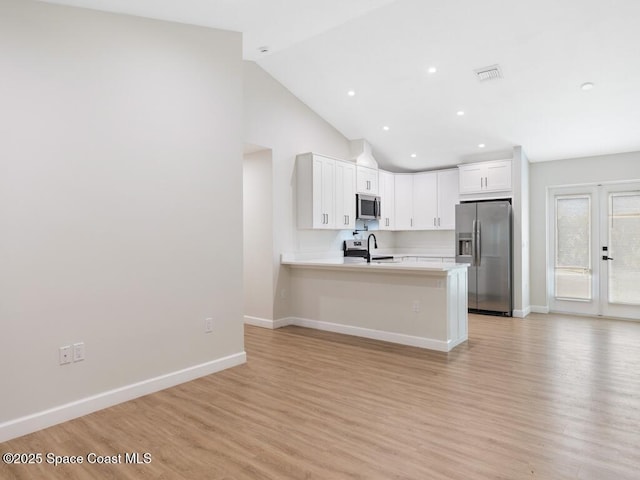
column 483, row 240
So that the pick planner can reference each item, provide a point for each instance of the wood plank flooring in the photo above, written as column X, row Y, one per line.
column 547, row 397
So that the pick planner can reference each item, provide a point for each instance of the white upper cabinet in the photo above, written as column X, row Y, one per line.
column 404, row 201
column 435, row 196
column 448, row 198
column 345, row 195
column 367, row 179
column 494, row 176
column 387, row 200
column 426, row 201
column 325, row 192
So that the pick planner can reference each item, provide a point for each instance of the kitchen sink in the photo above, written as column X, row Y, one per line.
column 385, row 259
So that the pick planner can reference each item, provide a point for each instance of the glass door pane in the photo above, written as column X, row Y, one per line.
column 624, row 248
column 572, row 269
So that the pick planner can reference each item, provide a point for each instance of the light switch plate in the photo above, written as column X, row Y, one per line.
column 78, row 351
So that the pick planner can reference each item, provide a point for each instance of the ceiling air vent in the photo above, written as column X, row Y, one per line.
column 492, row 72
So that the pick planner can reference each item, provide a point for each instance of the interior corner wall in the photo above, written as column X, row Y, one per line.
column 521, row 234
column 120, row 201
column 575, row 171
column 276, row 119
column 258, row 235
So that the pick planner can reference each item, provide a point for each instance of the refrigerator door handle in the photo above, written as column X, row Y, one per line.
column 478, row 232
column 473, row 244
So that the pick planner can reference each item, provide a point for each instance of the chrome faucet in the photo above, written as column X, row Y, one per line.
column 375, row 245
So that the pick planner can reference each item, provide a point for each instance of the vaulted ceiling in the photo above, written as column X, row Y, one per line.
column 385, row 52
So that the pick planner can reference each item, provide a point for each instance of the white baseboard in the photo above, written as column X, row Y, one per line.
column 399, row 338
column 539, row 309
column 47, row 418
column 522, row 313
column 258, row 322
column 266, row 323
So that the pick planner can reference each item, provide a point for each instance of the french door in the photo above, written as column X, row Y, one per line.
column 594, row 246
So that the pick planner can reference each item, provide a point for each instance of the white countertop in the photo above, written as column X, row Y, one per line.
column 360, row 265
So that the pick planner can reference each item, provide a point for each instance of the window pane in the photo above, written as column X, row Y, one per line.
column 573, row 248
column 624, row 247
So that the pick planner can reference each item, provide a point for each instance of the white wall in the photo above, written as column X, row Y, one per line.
column 607, row 168
column 276, row 119
column 258, row 235
column 436, row 241
column 521, row 234
column 120, row 200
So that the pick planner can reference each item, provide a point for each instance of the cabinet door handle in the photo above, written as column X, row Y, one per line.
column 412, row 222
column 438, row 221
column 434, row 221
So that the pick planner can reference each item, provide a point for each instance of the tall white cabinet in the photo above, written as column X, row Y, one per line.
column 326, row 190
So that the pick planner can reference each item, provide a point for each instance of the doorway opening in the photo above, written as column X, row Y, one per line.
column 257, row 173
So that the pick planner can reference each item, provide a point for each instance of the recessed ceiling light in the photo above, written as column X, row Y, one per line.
column 481, row 145
column 432, row 70
column 351, row 93
column 413, row 155
column 460, row 113
column 386, row 128
column 586, row 86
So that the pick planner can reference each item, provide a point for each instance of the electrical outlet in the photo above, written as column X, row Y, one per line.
column 416, row 306
column 65, row 354
column 78, row 351
column 208, row 325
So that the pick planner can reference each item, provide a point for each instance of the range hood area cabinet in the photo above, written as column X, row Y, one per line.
column 426, row 200
column 325, row 189
column 367, row 180
column 493, row 176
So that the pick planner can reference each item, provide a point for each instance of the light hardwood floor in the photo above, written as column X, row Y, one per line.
column 547, row 397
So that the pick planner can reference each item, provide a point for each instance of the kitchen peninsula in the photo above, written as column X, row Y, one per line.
column 411, row 303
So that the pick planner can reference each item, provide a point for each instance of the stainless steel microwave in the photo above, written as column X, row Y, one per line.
column 367, row 207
